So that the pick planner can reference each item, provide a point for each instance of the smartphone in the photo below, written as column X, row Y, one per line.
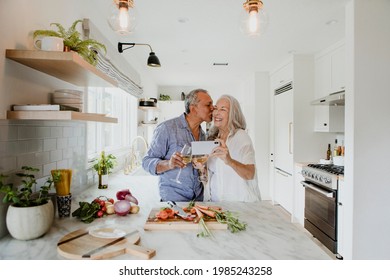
column 203, row 147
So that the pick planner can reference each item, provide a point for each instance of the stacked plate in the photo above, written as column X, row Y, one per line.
column 68, row 97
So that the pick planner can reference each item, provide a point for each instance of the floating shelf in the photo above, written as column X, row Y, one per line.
column 59, row 115
column 67, row 66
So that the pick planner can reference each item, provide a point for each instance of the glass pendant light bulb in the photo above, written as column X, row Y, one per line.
column 122, row 17
column 254, row 20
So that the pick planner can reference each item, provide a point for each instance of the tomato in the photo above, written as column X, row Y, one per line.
column 170, row 212
column 111, row 200
column 100, row 213
column 102, row 203
column 104, row 209
column 163, row 215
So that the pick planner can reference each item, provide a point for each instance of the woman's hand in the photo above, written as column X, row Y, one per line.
column 222, row 152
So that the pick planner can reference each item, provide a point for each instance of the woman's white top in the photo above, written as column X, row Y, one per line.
column 224, row 183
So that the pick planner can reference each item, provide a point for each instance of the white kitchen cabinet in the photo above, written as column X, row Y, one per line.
column 169, row 109
column 329, row 118
column 299, row 196
column 330, row 71
column 283, row 189
column 283, row 149
column 282, row 76
column 329, row 78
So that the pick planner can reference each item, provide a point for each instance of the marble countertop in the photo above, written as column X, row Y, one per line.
column 269, row 234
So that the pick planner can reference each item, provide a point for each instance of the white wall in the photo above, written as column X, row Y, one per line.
column 262, row 132
column 367, row 131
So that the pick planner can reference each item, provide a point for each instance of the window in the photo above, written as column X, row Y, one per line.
column 112, row 138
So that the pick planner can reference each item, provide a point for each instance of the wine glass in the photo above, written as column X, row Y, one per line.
column 200, row 164
column 186, row 154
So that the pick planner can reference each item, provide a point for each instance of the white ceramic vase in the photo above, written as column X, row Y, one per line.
column 25, row 223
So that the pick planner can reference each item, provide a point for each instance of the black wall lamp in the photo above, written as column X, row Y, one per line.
column 153, row 60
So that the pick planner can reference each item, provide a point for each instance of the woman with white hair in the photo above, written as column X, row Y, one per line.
column 231, row 166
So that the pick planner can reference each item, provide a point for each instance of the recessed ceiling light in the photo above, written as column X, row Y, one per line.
column 220, row 64
column 183, row 20
column 331, row 22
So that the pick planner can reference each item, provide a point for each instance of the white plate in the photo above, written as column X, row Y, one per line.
column 107, row 232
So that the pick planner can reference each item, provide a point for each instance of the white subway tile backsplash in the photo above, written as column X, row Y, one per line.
column 27, row 132
column 56, row 131
column 48, row 167
column 49, row 144
column 72, row 142
column 67, row 132
column 43, row 132
column 64, row 164
column 8, row 133
column 81, row 141
column 33, row 146
column 62, row 143
column 67, row 153
column 55, row 155
column 12, row 148
column 33, row 159
column 7, row 164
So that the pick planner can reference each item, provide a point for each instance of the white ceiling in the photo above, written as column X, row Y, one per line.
column 188, row 36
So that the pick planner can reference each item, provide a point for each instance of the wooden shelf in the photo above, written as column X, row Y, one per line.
column 59, row 115
column 67, row 66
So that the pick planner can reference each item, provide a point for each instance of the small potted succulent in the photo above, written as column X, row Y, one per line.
column 103, row 166
column 73, row 42
column 27, row 205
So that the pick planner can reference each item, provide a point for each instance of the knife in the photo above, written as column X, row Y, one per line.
column 178, row 210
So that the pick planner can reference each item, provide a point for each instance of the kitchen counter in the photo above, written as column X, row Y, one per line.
column 269, row 234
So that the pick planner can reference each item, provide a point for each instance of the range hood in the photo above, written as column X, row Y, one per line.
column 334, row 99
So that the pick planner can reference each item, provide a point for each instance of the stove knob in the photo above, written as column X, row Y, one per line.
column 328, row 180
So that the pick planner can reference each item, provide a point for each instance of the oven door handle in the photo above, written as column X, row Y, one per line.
column 312, row 187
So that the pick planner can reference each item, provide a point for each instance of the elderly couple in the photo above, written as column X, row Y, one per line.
column 231, row 166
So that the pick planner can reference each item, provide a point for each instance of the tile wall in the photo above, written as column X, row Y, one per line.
column 45, row 145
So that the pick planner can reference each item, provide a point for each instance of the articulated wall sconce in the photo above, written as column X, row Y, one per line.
column 153, row 60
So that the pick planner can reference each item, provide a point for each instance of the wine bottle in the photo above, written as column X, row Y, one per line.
column 328, row 153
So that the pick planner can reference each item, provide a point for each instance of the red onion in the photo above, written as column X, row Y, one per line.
column 122, row 207
column 131, row 198
column 120, row 195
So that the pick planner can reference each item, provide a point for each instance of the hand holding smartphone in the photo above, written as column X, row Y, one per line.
column 203, row 147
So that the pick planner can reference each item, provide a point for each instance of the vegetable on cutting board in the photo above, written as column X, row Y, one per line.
column 203, row 212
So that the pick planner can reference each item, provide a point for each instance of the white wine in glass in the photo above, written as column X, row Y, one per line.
column 200, row 163
column 186, row 153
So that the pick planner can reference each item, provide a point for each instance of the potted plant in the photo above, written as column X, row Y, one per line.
column 103, row 166
column 72, row 41
column 30, row 215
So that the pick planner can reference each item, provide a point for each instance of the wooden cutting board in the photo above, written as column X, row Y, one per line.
column 80, row 244
column 177, row 223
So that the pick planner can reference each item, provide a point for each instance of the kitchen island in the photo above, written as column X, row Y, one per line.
column 269, row 234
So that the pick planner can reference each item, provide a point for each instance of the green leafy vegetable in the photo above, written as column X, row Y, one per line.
column 87, row 211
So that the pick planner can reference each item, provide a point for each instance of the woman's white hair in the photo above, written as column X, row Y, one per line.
column 236, row 118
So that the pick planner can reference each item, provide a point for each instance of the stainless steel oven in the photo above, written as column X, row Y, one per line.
column 321, row 184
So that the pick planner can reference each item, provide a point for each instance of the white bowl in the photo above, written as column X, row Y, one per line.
column 61, row 94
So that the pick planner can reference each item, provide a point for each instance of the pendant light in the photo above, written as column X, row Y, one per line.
column 122, row 16
column 254, row 20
